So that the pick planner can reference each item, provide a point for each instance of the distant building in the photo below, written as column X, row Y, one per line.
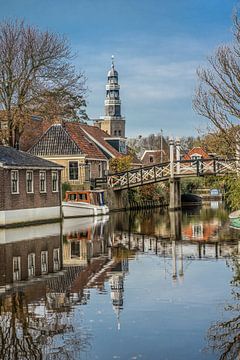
column 30, row 188
column 113, row 122
column 197, row 153
column 151, row 157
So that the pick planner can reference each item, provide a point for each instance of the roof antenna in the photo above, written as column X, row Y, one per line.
column 113, row 61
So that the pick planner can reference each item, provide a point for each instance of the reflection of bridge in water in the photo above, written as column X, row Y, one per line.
column 179, row 251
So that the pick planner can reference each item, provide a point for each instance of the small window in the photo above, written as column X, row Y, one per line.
column 83, row 197
column 15, row 182
column 44, row 262
column 72, row 197
column 55, row 181
column 29, row 181
column 42, row 182
column 119, row 133
column 115, row 132
column 151, row 159
column 31, row 265
column 75, row 249
column 56, row 259
column 16, row 268
column 73, row 170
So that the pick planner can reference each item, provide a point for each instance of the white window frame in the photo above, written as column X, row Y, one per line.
column 31, row 267
column 17, row 273
column 32, row 182
column 73, row 161
column 17, row 181
column 45, row 181
column 44, row 264
column 56, row 259
column 53, row 173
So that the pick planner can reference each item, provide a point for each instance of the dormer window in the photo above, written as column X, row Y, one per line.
column 151, row 159
column 196, row 157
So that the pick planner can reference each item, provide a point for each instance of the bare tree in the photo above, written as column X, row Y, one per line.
column 36, row 77
column 223, row 336
column 218, row 93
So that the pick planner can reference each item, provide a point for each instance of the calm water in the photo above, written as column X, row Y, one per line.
column 142, row 285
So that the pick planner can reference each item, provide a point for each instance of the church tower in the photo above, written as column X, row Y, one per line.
column 113, row 122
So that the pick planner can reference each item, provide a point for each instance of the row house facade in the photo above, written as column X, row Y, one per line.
column 30, row 188
column 69, row 147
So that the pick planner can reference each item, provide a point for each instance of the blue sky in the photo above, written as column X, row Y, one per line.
column 157, row 44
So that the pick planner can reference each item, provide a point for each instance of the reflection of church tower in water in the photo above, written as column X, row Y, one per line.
column 117, row 286
column 113, row 122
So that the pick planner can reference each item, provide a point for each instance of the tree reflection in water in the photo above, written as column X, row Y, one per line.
column 26, row 335
column 224, row 336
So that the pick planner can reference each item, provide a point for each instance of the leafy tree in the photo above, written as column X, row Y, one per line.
column 120, row 164
column 36, row 77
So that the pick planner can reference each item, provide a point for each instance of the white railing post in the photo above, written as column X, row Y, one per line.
column 171, row 148
column 178, row 154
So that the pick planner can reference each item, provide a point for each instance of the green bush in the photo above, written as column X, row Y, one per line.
column 65, row 187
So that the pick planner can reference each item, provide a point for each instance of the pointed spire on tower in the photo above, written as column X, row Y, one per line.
column 112, row 61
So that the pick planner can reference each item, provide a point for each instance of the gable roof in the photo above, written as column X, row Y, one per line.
column 85, row 143
column 55, row 141
column 196, row 150
column 98, row 136
column 152, row 152
column 12, row 158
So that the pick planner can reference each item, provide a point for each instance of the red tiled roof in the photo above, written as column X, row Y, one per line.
column 87, row 146
column 196, row 150
column 99, row 136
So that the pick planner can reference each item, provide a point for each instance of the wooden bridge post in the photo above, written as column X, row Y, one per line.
column 175, row 189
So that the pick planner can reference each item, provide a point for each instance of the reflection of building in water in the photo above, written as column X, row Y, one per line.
column 29, row 252
column 84, row 242
column 201, row 231
column 117, row 286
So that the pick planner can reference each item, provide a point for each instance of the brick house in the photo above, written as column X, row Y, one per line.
column 151, row 157
column 30, row 188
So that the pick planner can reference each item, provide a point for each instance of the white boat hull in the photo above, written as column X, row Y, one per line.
column 78, row 209
column 235, row 214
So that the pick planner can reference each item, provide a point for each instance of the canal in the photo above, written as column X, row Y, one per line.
column 137, row 285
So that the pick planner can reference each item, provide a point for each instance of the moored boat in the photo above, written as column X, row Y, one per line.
column 84, row 203
column 235, row 219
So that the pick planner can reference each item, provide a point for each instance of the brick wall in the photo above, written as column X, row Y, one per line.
column 24, row 200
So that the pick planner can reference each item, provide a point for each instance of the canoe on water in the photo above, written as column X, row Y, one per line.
column 235, row 219
column 234, row 215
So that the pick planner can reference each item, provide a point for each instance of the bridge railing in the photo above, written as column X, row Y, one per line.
column 139, row 176
column 163, row 171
